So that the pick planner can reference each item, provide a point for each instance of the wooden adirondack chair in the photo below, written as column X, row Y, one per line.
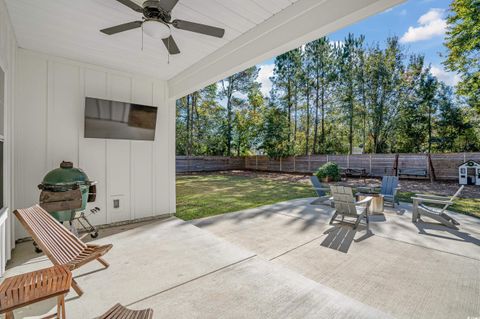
column 346, row 206
column 58, row 243
column 320, row 190
column 438, row 214
column 389, row 189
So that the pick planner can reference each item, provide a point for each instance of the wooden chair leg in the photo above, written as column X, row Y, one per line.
column 103, row 262
column 61, row 313
column 77, row 288
column 9, row 315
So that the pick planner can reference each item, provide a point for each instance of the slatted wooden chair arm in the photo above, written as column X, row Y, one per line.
column 427, row 196
column 421, row 200
column 366, row 200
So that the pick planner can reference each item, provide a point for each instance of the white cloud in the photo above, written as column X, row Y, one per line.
column 266, row 71
column 449, row 78
column 431, row 24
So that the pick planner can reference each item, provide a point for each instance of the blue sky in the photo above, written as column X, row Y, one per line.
column 420, row 24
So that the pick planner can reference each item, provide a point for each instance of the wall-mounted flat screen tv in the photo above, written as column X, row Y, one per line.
column 119, row 120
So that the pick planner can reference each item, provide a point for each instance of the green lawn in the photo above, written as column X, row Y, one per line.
column 207, row 195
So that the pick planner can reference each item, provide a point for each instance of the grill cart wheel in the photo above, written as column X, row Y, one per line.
column 94, row 235
column 37, row 249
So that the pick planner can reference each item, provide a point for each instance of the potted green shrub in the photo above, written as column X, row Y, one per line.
column 328, row 172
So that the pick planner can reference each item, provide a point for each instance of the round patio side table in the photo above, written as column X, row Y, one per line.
column 29, row 288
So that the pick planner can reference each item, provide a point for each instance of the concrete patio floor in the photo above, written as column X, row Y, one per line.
column 407, row 270
column 278, row 261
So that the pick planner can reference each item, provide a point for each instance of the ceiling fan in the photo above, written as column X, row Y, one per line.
column 157, row 20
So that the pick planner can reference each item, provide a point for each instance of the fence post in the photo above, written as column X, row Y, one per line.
column 370, row 164
column 309, row 165
column 280, row 164
column 348, row 161
column 327, row 158
column 294, row 165
column 256, row 162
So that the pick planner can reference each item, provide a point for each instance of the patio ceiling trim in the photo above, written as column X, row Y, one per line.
column 303, row 21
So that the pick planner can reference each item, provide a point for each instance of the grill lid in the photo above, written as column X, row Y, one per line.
column 65, row 177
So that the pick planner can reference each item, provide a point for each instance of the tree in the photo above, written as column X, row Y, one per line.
column 319, row 68
column 238, row 83
column 463, row 45
column 328, row 98
column 429, row 90
column 276, row 134
column 347, row 67
column 411, row 122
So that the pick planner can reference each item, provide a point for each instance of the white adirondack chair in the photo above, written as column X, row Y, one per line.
column 438, row 214
column 346, row 206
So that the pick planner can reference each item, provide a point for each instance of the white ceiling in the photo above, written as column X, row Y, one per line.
column 70, row 28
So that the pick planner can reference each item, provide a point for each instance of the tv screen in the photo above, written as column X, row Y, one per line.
column 119, row 120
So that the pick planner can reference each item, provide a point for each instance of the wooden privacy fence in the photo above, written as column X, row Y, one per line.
column 188, row 164
column 437, row 166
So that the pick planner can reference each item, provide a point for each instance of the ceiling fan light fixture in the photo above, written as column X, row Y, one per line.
column 156, row 29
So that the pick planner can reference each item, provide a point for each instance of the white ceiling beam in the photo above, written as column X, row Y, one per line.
column 304, row 21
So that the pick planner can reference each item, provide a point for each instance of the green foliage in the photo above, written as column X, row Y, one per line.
column 328, row 170
column 463, row 45
column 332, row 98
column 276, row 134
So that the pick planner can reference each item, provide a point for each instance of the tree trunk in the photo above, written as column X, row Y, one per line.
column 289, row 103
column 351, row 106
column 229, row 115
column 295, row 93
column 315, row 129
column 307, row 134
column 188, row 126
column 322, row 139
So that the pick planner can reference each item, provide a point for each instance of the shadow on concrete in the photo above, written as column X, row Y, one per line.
column 339, row 237
column 297, row 210
column 424, row 228
column 377, row 218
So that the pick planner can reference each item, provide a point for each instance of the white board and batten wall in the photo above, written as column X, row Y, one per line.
column 49, row 128
column 8, row 47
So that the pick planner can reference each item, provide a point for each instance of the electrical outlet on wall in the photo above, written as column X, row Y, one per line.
column 116, row 203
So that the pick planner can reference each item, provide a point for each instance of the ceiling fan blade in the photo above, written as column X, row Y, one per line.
column 198, row 28
column 122, row 27
column 132, row 5
column 171, row 45
column 168, row 5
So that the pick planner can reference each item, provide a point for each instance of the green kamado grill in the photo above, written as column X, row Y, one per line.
column 65, row 193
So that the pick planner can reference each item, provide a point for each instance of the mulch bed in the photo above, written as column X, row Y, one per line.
column 446, row 188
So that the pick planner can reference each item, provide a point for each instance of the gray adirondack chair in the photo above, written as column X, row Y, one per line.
column 346, row 206
column 438, row 214
column 320, row 190
column 389, row 189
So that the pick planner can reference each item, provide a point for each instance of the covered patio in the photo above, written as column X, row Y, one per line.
column 279, row 261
